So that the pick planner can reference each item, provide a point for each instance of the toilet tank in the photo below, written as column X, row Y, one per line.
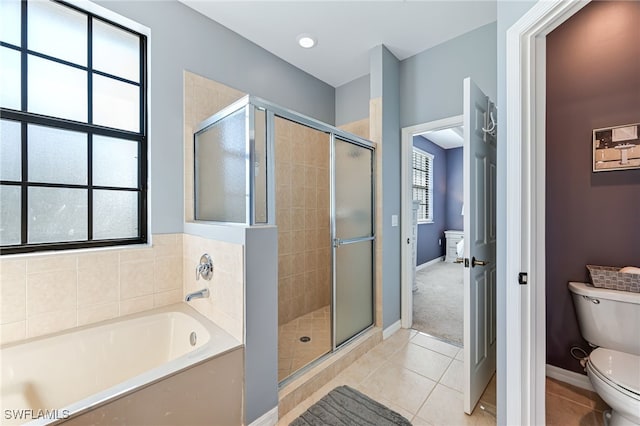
column 608, row 318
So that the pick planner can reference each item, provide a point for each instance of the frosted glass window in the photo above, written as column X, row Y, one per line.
column 221, row 168
column 116, row 104
column 57, row 31
column 115, row 214
column 10, row 150
column 57, row 214
column 10, row 215
column 116, row 51
column 57, row 156
column 9, row 78
column 57, row 90
column 115, row 162
column 10, row 21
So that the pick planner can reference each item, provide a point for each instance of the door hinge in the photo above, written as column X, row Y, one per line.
column 523, row 278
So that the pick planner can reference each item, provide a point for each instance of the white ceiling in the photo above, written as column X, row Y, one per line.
column 346, row 31
column 446, row 138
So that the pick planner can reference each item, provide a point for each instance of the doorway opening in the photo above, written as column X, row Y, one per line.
column 437, row 171
column 479, row 252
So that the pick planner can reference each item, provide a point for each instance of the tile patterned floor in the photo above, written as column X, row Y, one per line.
column 570, row 405
column 416, row 375
column 420, row 377
column 294, row 354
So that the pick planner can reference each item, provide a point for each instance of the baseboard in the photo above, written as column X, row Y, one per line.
column 388, row 332
column 571, row 377
column 270, row 418
column 429, row 263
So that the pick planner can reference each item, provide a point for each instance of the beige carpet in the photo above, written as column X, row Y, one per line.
column 438, row 302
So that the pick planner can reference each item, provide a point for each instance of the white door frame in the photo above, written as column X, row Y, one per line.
column 524, row 361
column 406, row 200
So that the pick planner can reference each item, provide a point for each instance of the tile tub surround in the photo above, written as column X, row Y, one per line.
column 302, row 216
column 225, row 304
column 50, row 292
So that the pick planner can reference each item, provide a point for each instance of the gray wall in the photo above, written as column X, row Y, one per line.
column 385, row 82
column 592, row 218
column 352, row 101
column 183, row 39
column 508, row 13
column 431, row 81
column 429, row 234
column 261, row 326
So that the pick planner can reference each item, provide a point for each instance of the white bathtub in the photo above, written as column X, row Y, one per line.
column 131, row 370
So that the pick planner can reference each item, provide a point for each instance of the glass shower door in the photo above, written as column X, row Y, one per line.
column 353, row 239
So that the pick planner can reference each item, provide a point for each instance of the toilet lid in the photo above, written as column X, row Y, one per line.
column 621, row 368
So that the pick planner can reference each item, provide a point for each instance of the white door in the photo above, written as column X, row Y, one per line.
column 479, row 244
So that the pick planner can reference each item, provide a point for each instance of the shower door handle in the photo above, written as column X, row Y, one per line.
column 337, row 242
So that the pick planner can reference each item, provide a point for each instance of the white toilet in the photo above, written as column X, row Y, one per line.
column 610, row 320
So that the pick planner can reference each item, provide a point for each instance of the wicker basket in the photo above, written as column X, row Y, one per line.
column 610, row 277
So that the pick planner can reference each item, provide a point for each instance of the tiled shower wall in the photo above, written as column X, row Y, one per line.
column 46, row 293
column 302, row 216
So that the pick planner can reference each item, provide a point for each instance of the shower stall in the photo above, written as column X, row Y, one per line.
column 259, row 164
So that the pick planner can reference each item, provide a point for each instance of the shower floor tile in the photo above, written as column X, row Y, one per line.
column 292, row 352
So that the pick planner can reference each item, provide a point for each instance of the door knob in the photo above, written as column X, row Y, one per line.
column 475, row 262
column 458, row 260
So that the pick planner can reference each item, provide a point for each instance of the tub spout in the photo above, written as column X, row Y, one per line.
column 200, row 294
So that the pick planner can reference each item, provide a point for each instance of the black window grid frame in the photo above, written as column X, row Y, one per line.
column 24, row 117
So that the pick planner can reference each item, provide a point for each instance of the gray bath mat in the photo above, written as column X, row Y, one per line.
column 345, row 406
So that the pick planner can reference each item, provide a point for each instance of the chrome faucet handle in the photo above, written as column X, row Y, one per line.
column 205, row 268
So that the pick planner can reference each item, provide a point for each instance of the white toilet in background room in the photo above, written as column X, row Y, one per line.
column 610, row 320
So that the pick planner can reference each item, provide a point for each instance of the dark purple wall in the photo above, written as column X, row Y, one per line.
column 593, row 81
column 455, row 190
column 447, row 199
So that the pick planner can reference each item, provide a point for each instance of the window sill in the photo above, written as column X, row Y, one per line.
column 425, row 222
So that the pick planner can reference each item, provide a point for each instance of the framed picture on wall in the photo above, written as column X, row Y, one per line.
column 616, row 148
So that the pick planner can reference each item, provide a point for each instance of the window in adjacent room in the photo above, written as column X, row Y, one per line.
column 73, row 128
column 423, row 184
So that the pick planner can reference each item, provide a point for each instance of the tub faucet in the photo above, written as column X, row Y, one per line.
column 200, row 294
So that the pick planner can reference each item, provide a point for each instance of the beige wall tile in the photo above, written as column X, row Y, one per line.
column 136, row 279
column 95, row 313
column 225, row 304
column 51, row 322
column 12, row 267
column 48, row 263
column 13, row 290
column 13, row 331
column 168, row 274
column 135, row 255
column 137, row 304
column 98, row 279
column 51, row 291
column 167, row 297
column 359, row 128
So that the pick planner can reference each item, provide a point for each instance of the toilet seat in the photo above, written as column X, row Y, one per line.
column 618, row 369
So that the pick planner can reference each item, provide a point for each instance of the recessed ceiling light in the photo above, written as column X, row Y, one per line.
column 306, row 41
